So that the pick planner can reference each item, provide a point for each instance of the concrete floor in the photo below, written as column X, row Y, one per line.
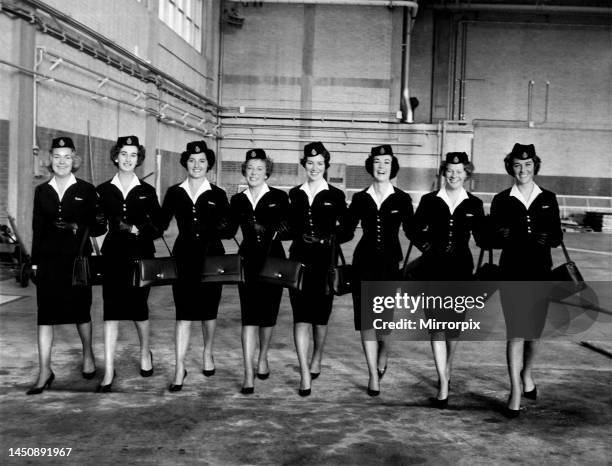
column 211, row 422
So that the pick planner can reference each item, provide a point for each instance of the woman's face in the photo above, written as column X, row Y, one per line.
column 61, row 161
column 315, row 167
column 197, row 166
column 455, row 175
column 255, row 172
column 523, row 170
column 381, row 167
column 127, row 159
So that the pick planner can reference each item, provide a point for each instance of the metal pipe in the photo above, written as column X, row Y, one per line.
column 524, row 8
column 388, row 3
column 545, row 104
column 332, row 129
column 462, row 97
column 308, row 139
column 58, row 15
column 405, row 107
column 322, row 120
column 530, row 103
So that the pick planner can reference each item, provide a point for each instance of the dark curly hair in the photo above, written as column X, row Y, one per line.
column 210, row 158
column 369, row 165
column 509, row 161
column 468, row 167
column 269, row 166
column 114, row 154
column 325, row 155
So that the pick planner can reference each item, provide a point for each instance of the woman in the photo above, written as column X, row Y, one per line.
column 317, row 218
column 201, row 210
column 526, row 225
column 64, row 212
column 381, row 208
column 261, row 212
column 131, row 207
column 444, row 221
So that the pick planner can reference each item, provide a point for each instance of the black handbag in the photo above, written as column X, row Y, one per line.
column 87, row 270
column 282, row 272
column 156, row 271
column 341, row 275
column 488, row 273
column 567, row 278
column 226, row 269
column 413, row 270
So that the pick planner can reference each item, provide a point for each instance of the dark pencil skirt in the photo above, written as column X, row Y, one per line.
column 122, row 301
column 58, row 301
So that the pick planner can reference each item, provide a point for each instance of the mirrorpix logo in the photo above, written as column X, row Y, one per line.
column 443, row 305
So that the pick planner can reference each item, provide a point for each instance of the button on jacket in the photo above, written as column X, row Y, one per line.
column 141, row 209
column 449, row 235
column 523, row 258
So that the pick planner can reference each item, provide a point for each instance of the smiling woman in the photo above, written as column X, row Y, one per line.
column 201, row 210
column 133, row 213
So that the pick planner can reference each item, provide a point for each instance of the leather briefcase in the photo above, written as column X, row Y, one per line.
column 342, row 275
column 228, row 269
column 283, row 272
column 87, row 270
column 155, row 271
column 567, row 279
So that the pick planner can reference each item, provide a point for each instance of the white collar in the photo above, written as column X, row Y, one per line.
column 135, row 182
column 322, row 187
column 60, row 194
column 442, row 194
column 526, row 202
column 390, row 190
column 205, row 186
column 247, row 192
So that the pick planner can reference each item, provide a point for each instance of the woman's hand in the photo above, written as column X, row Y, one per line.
column 61, row 225
column 541, row 239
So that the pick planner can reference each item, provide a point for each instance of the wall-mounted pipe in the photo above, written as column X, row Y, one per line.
column 530, row 103
column 345, row 142
column 545, row 9
column 388, row 3
column 107, row 43
column 405, row 108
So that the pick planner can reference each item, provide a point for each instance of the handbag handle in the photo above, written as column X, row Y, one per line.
column 83, row 241
column 567, row 256
column 167, row 247
column 336, row 252
column 406, row 259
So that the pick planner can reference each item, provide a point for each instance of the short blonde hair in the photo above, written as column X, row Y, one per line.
column 76, row 161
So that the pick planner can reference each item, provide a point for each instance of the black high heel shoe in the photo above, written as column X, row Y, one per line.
column 314, row 375
column 89, row 375
column 39, row 390
column 106, row 388
column 177, row 387
column 247, row 390
column 209, row 373
column 304, row 392
column 373, row 392
column 531, row 394
column 437, row 403
column 263, row 376
column 148, row 373
column 381, row 374
column 511, row 413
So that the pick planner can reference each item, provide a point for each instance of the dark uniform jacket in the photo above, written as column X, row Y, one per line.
column 380, row 240
column 449, row 234
column 141, row 209
column 326, row 218
column 79, row 205
column 201, row 225
column 523, row 257
column 270, row 215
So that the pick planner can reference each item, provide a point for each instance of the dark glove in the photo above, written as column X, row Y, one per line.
column 311, row 239
column 100, row 219
column 282, row 228
column 222, row 225
column 503, row 234
column 426, row 246
column 541, row 238
column 61, row 225
column 123, row 226
column 259, row 228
